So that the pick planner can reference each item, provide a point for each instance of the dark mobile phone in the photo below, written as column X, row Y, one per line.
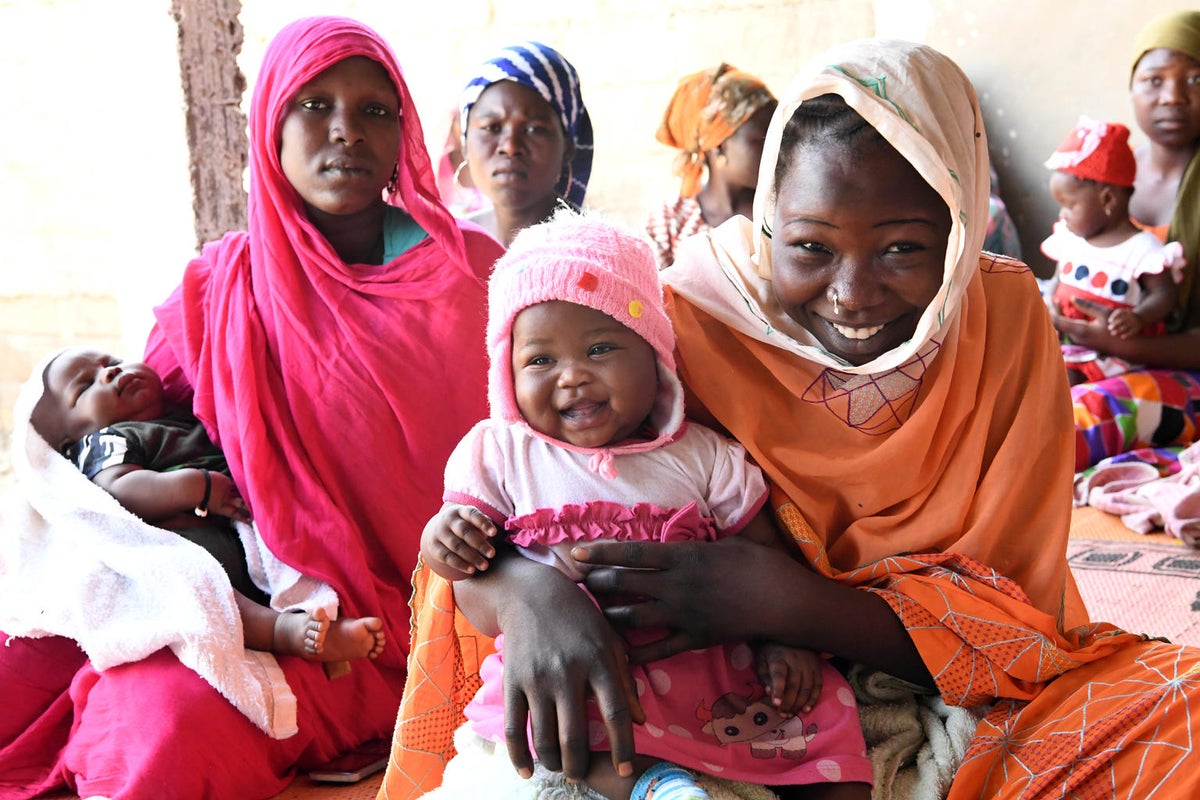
column 351, row 767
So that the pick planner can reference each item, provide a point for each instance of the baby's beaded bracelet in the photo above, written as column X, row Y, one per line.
column 202, row 509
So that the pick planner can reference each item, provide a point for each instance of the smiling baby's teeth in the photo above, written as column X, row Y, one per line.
column 857, row 333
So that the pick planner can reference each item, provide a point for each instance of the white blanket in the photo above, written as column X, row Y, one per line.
column 75, row 563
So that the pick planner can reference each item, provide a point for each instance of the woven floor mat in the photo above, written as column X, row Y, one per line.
column 1141, row 586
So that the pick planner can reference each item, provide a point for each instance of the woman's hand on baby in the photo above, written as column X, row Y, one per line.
column 456, row 542
column 791, row 677
column 1096, row 332
column 703, row 593
column 1092, row 332
column 225, row 499
column 559, row 652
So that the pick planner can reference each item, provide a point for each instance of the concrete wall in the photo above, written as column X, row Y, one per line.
column 95, row 201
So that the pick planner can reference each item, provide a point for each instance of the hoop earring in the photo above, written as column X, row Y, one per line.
column 570, row 178
column 395, row 179
column 458, row 172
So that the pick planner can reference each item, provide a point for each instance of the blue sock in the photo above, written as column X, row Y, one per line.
column 669, row 782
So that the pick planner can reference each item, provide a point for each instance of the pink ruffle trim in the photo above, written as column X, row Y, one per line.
column 606, row 520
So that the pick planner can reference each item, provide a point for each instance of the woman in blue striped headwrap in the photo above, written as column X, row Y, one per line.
column 527, row 136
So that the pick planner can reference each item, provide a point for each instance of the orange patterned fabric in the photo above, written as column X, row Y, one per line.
column 922, row 458
column 443, row 676
column 1095, row 712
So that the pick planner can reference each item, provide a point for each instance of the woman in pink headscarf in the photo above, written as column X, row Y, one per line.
column 333, row 351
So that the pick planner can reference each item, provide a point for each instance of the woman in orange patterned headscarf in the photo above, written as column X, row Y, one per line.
column 717, row 119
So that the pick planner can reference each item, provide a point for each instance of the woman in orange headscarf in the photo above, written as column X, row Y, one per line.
column 903, row 392
column 717, row 119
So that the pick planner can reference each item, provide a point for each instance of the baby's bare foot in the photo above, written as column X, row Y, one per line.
column 346, row 638
column 315, row 637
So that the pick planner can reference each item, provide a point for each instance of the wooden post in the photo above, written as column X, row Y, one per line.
column 210, row 37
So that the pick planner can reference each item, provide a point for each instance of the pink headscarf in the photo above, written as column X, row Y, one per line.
column 295, row 56
column 337, row 391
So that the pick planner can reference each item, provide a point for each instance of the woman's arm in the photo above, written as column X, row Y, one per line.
column 558, row 650
column 1173, row 351
column 1158, row 298
column 734, row 589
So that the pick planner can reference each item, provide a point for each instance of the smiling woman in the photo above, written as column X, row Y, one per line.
column 923, row 472
column 527, row 137
column 857, row 252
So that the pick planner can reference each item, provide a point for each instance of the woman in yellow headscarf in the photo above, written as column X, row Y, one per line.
column 1109, row 416
column 717, row 119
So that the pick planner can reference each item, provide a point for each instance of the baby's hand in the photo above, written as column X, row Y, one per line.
column 456, row 543
column 225, row 500
column 791, row 677
column 1123, row 323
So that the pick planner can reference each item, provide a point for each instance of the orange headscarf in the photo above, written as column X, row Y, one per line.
column 706, row 109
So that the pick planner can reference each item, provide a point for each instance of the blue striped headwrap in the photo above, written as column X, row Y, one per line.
column 543, row 69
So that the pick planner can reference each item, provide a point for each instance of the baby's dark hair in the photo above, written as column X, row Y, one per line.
column 826, row 118
column 1122, row 192
column 46, row 416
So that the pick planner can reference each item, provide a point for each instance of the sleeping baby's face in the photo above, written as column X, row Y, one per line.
column 86, row 390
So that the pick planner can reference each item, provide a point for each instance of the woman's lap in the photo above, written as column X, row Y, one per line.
column 36, row 675
column 1120, row 726
column 155, row 728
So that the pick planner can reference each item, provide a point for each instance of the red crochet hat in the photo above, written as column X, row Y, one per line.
column 1097, row 151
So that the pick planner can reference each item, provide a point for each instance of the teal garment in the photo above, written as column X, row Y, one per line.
column 400, row 232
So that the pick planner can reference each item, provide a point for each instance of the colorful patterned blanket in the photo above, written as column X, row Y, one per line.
column 1136, row 451
column 1135, row 412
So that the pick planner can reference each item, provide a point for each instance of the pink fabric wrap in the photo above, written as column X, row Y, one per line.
column 644, row 522
column 337, row 392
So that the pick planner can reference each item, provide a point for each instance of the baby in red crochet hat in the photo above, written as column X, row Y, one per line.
column 1104, row 261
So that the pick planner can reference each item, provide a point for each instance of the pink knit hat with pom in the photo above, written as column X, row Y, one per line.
column 582, row 259
column 1097, row 151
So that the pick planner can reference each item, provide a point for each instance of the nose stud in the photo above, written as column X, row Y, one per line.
column 836, row 312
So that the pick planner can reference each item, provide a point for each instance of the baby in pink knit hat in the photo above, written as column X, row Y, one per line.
column 587, row 440
column 1104, row 261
